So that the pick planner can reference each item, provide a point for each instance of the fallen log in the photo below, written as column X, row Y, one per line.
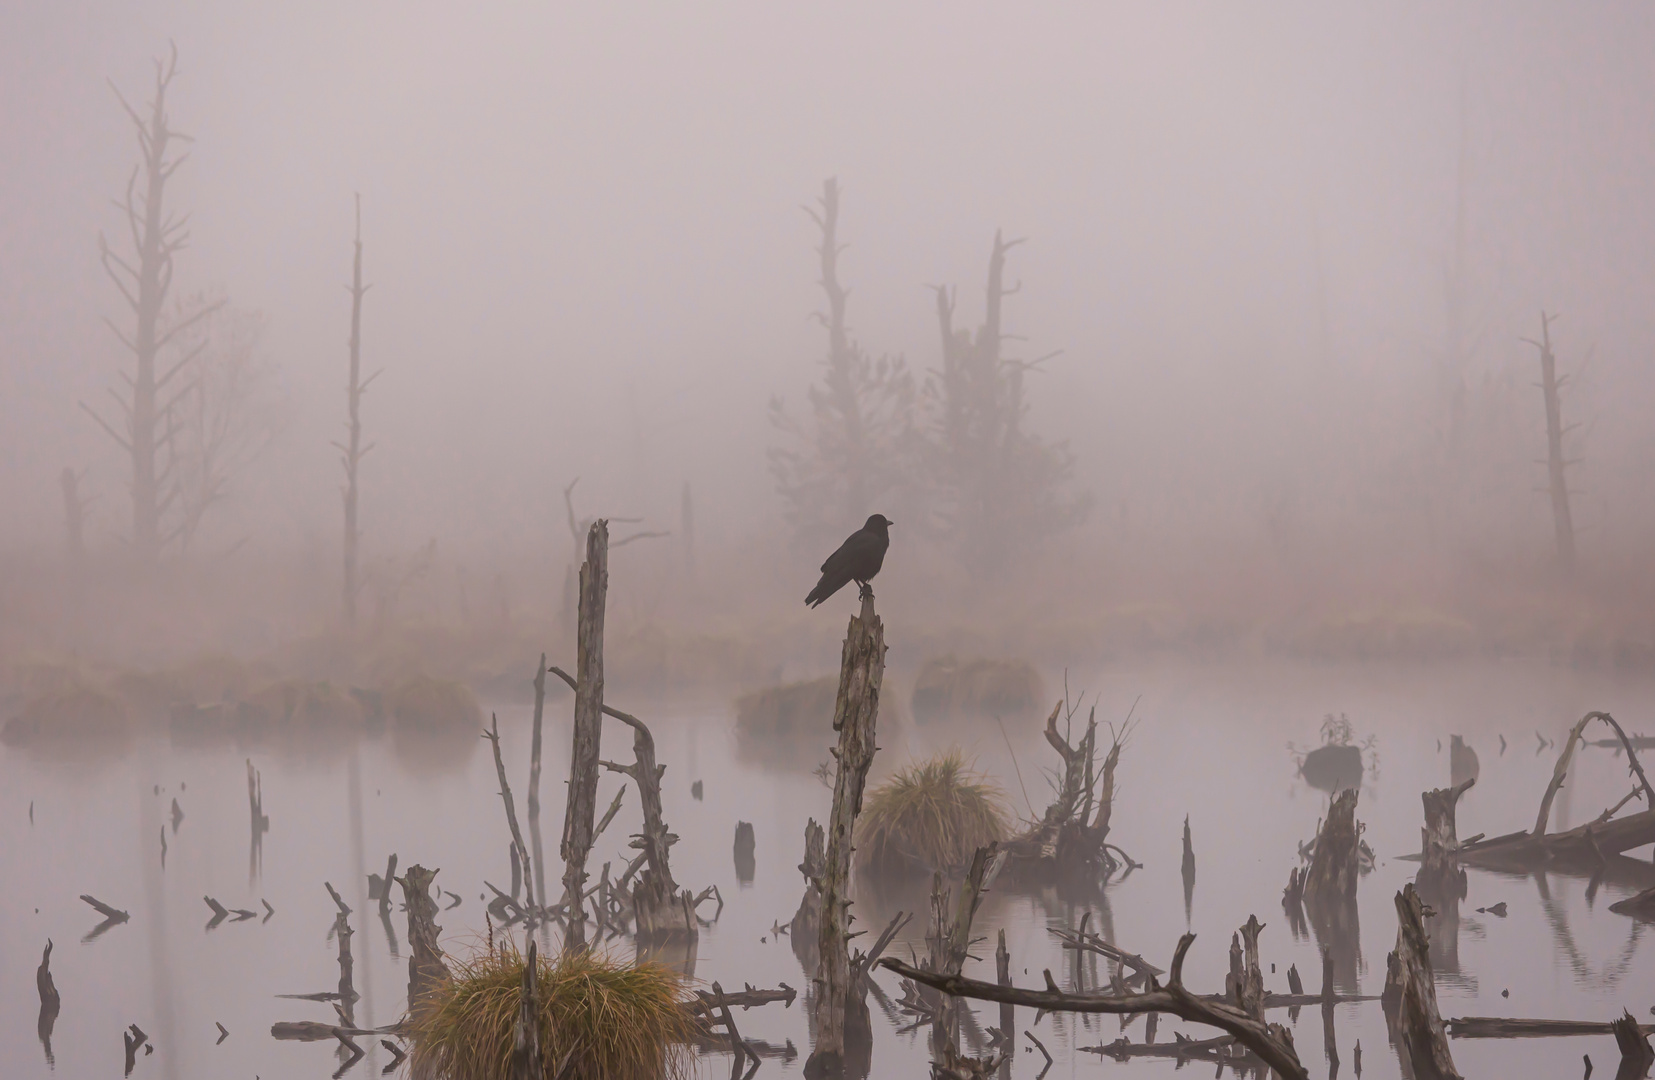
column 1272, row 1043
column 1587, row 844
column 1499, row 1027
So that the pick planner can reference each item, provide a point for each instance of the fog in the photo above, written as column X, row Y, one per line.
column 588, row 258
column 1237, row 377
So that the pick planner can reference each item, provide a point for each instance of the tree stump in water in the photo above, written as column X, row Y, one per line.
column 1329, row 886
column 1410, row 997
column 862, row 670
column 1636, row 1055
column 426, row 969
column 1332, row 873
column 1440, row 875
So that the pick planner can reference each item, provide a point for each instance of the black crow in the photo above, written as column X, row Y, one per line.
column 858, row 559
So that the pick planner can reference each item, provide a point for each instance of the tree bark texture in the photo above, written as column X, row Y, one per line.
column 426, row 969
column 583, row 762
column 1410, row 997
column 1440, row 876
column 862, row 669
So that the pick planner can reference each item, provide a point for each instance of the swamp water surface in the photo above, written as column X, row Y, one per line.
column 1209, row 743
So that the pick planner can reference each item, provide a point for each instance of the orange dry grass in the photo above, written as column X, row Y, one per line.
column 624, row 1021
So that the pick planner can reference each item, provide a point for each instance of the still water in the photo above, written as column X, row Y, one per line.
column 1210, row 743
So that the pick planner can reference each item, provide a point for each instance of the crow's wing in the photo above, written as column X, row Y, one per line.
column 856, row 547
column 844, row 564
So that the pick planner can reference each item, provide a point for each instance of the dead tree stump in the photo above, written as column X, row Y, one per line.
column 426, row 969
column 658, row 908
column 1332, row 872
column 1636, row 1055
column 1440, row 874
column 525, row 1052
column 862, row 669
column 1244, row 966
column 583, row 761
column 1410, row 997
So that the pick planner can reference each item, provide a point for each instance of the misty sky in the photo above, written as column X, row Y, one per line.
column 588, row 258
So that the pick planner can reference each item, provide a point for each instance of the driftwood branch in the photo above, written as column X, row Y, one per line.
column 1272, row 1043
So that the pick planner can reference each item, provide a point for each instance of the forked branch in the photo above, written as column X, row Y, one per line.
column 1271, row 1042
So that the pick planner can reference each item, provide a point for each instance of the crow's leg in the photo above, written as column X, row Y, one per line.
column 866, row 589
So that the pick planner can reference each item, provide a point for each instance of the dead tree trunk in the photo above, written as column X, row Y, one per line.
column 1551, row 386
column 840, row 378
column 1008, row 1011
column 862, row 669
column 426, row 970
column 534, row 781
column 1636, row 1055
column 1187, row 868
column 525, row 1051
column 658, row 908
column 1245, row 974
column 74, row 515
column 1440, row 876
column 1410, row 997
column 686, row 530
column 1333, row 867
column 1329, row 886
column 1070, row 837
column 352, row 451
column 157, row 236
column 950, row 942
column 583, row 761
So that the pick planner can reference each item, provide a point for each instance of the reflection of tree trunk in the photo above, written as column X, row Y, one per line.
column 1441, row 880
column 1330, row 889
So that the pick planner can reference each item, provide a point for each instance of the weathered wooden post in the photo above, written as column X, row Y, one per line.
column 583, row 761
column 861, row 671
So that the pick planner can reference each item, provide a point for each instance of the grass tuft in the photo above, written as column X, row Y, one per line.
column 624, row 1021
column 932, row 816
